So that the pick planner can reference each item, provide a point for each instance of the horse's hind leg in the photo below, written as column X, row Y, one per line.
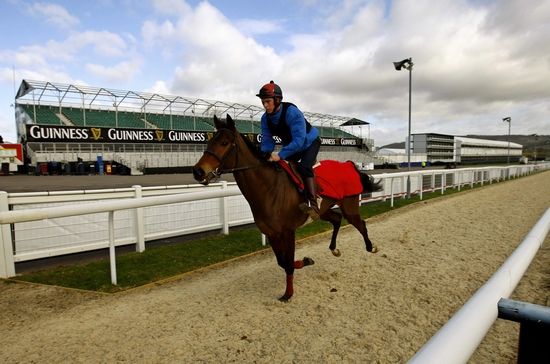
column 350, row 209
column 335, row 219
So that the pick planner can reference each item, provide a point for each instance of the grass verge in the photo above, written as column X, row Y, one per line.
column 161, row 262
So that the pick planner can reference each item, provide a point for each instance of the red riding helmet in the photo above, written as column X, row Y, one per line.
column 269, row 90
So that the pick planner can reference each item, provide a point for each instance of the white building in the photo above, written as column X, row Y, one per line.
column 471, row 150
column 444, row 148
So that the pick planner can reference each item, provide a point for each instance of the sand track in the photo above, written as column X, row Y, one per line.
column 357, row 308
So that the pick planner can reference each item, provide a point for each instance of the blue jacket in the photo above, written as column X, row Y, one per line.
column 297, row 124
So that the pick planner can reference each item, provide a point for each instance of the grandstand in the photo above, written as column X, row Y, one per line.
column 144, row 131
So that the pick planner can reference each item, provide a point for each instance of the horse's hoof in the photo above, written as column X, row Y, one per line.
column 374, row 249
column 284, row 298
column 308, row 261
column 336, row 252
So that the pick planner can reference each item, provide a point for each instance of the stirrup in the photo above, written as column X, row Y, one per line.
column 306, row 208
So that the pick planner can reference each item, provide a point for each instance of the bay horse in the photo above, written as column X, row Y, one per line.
column 273, row 197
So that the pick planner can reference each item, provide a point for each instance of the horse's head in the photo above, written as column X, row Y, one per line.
column 220, row 153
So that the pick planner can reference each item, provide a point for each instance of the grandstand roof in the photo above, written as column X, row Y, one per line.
column 354, row 122
column 473, row 142
column 69, row 95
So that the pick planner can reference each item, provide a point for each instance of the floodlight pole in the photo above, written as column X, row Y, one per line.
column 410, row 141
column 408, row 65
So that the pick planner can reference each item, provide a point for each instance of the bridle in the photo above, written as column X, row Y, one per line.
column 222, row 160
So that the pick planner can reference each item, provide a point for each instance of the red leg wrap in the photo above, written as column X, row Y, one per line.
column 289, row 286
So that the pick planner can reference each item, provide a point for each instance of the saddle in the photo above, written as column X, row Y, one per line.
column 334, row 179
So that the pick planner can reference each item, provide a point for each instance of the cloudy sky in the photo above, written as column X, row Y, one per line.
column 475, row 61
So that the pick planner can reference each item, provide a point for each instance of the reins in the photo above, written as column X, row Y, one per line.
column 234, row 148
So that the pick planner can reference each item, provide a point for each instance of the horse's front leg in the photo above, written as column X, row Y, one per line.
column 284, row 252
column 284, row 248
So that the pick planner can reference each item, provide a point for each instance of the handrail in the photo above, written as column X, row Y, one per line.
column 9, row 217
column 458, row 339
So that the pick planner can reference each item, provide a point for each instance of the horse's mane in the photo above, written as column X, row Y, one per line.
column 252, row 147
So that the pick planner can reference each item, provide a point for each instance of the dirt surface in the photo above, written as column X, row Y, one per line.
column 359, row 308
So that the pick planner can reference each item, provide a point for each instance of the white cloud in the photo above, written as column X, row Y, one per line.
column 216, row 58
column 475, row 61
column 467, row 72
column 171, row 7
column 252, row 27
column 154, row 34
column 54, row 60
column 103, row 43
column 120, row 72
column 54, row 53
column 53, row 14
column 159, row 87
column 464, row 77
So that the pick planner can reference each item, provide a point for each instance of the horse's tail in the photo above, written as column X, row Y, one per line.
column 369, row 185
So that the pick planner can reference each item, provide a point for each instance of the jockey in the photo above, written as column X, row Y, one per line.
column 300, row 140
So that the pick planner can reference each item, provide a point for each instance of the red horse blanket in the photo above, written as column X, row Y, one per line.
column 334, row 179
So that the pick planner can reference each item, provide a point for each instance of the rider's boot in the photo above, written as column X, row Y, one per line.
column 310, row 206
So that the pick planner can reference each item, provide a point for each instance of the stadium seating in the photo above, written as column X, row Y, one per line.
column 82, row 117
column 44, row 114
column 130, row 120
column 245, row 126
column 126, row 119
column 328, row 132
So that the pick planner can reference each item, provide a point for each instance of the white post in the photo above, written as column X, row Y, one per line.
column 223, row 212
column 112, row 255
column 458, row 175
column 421, row 184
column 7, row 264
column 140, row 234
column 408, row 186
column 264, row 240
column 391, row 191
column 443, row 182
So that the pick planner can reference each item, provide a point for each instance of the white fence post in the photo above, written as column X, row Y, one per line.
column 223, row 211
column 391, row 191
column 421, row 184
column 7, row 264
column 112, row 251
column 140, row 231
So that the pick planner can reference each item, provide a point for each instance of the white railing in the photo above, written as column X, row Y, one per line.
column 27, row 234
column 441, row 179
column 7, row 268
column 457, row 340
column 65, row 235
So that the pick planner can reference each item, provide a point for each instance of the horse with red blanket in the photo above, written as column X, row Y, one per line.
column 274, row 196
